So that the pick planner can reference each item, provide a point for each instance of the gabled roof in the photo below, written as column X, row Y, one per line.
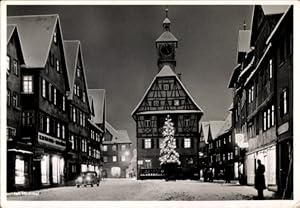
column 166, row 37
column 9, row 31
column 227, row 125
column 35, row 30
column 118, row 136
column 98, row 98
column 167, row 71
column 274, row 9
column 247, row 68
column 204, row 126
column 215, row 127
column 278, row 24
column 73, row 50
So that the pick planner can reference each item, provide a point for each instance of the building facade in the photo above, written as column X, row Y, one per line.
column 203, row 149
column 117, row 153
column 165, row 96
column 263, row 108
column 42, row 72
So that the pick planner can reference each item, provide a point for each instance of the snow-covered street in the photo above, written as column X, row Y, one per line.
column 129, row 189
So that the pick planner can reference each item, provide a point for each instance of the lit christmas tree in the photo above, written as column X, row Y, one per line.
column 168, row 153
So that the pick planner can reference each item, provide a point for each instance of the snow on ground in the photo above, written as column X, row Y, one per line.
column 128, row 189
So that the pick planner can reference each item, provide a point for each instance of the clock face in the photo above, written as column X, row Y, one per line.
column 166, row 49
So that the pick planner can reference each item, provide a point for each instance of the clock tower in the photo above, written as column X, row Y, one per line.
column 166, row 46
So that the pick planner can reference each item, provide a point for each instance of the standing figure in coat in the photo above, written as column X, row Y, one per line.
column 260, row 184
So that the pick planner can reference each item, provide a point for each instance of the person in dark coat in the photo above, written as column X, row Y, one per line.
column 260, row 184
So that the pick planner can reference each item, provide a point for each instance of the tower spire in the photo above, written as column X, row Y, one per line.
column 167, row 22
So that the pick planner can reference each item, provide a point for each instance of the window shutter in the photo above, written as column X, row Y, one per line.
column 177, row 143
column 143, row 143
column 152, row 143
column 182, row 142
column 157, row 144
column 192, row 143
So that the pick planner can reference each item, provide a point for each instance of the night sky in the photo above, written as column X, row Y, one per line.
column 119, row 52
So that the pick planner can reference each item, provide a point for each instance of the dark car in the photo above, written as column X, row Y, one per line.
column 87, row 178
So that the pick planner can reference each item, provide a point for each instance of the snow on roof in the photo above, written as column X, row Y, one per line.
column 167, row 71
column 95, row 125
column 227, row 125
column 204, row 126
column 167, row 112
column 166, row 21
column 230, row 107
column 233, row 76
column 278, row 24
column 35, row 30
column 215, row 127
column 166, row 37
column 98, row 97
column 118, row 136
column 72, row 51
column 9, row 31
column 274, row 9
column 247, row 67
column 258, row 65
column 244, row 40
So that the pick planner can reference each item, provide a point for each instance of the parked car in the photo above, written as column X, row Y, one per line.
column 87, row 178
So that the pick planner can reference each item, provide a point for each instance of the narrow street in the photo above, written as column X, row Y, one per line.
column 159, row 190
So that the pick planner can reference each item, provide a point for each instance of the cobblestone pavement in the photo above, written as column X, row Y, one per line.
column 160, row 190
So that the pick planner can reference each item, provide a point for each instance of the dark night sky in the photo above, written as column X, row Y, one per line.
column 119, row 51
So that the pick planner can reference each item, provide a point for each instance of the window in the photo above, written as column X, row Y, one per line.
column 265, row 121
column 123, row 147
column 224, row 157
column 114, row 158
column 72, row 142
column 225, row 140
column 58, row 130
column 272, row 115
column 268, row 118
column 105, row 159
column 15, row 67
column 47, row 125
column 176, row 103
column 186, row 122
column 123, row 158
column 147, row 143
column 27, row 118
column 270, row 68
column 43, row 88
column 54, row 96
column 74, row 114
column 236, row 150
column 90, row 150
column 63, row 103
column 252, row 93
column 284, row 102
column 229, row 139
column 114, row 147
column 75, row 89
column 50, row 92
column 187, row 143
column 15, row 100
column 8, row 63
column 19, row 170
column 63, row 132
column 166, row 86
column 8, row 97
column 104, row 148
column 78, row 71
column 57, row 65
column 54, row 37
column 27, row 84
column 147, row 123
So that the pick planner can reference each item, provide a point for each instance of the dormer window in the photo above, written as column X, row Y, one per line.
column 8, row 63
column 78, row 72
column 166, row 86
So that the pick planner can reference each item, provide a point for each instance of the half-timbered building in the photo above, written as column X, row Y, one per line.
column 167, row 95
column 260, row 83
column 44, row 83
